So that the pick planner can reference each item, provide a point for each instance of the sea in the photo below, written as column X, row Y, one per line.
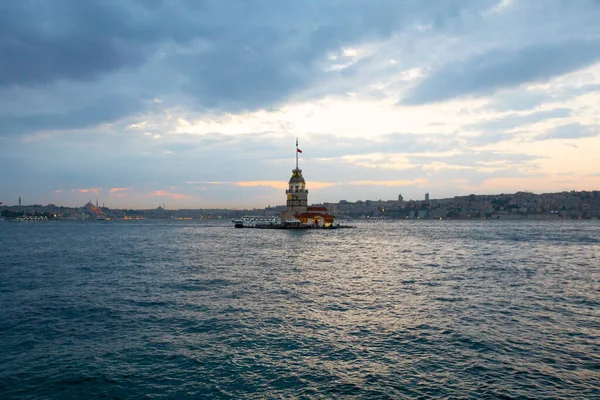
column 389, row 310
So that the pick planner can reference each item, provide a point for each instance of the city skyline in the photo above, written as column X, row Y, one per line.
column 198, row 105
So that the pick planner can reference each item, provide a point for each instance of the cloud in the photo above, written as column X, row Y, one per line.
column 538, row 184
column 419, row 182
column 523, row 100
column 274, row 184
column 175, row 196
column 207, row 183
column 70, row 65
column 99, row 62
column 282, row 184
column 582, row 90
column 475, row 159
column 329, row 145
column 91, row 114
column 569, row 131
column 485, row 73
column 216, row 92
column 116, row 190
column 518, row 100
column 512, row 121
column 90, row 190
column 43, row 43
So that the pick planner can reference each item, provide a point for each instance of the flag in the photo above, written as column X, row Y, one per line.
column 298, row 150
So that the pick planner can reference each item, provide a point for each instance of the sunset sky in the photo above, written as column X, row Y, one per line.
column 197, row 104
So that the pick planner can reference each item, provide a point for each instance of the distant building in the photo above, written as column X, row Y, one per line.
column 426, row 196
column 400, row 198
column 19, row 201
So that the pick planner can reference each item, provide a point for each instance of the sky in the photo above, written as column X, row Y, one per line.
column 198, row 103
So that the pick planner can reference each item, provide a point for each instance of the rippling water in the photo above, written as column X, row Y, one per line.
column 436, row 309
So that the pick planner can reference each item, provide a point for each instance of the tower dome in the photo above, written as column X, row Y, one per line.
column 297, row 177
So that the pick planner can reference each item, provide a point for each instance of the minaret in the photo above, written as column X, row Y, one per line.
column 297, row 195
column 19, row 201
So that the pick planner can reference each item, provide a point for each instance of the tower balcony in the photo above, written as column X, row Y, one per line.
column 296, row 191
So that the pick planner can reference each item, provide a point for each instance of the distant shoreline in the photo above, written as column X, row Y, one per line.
column 516, row 206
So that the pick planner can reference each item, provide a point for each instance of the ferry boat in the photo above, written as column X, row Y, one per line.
column 29, row 218
column 375, row 219
column 257, row 221
column 269, row 222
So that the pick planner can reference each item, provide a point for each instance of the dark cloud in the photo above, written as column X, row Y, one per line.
column 272, row 52
column 232, row 56
column 41, row 42
column 484, row 73
column 226, row 55
column 569, row 131
column 88, row 115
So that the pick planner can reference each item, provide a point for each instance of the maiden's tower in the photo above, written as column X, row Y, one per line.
column 297, row 202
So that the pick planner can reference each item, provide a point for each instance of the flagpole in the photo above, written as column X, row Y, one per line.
column 296, row 153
